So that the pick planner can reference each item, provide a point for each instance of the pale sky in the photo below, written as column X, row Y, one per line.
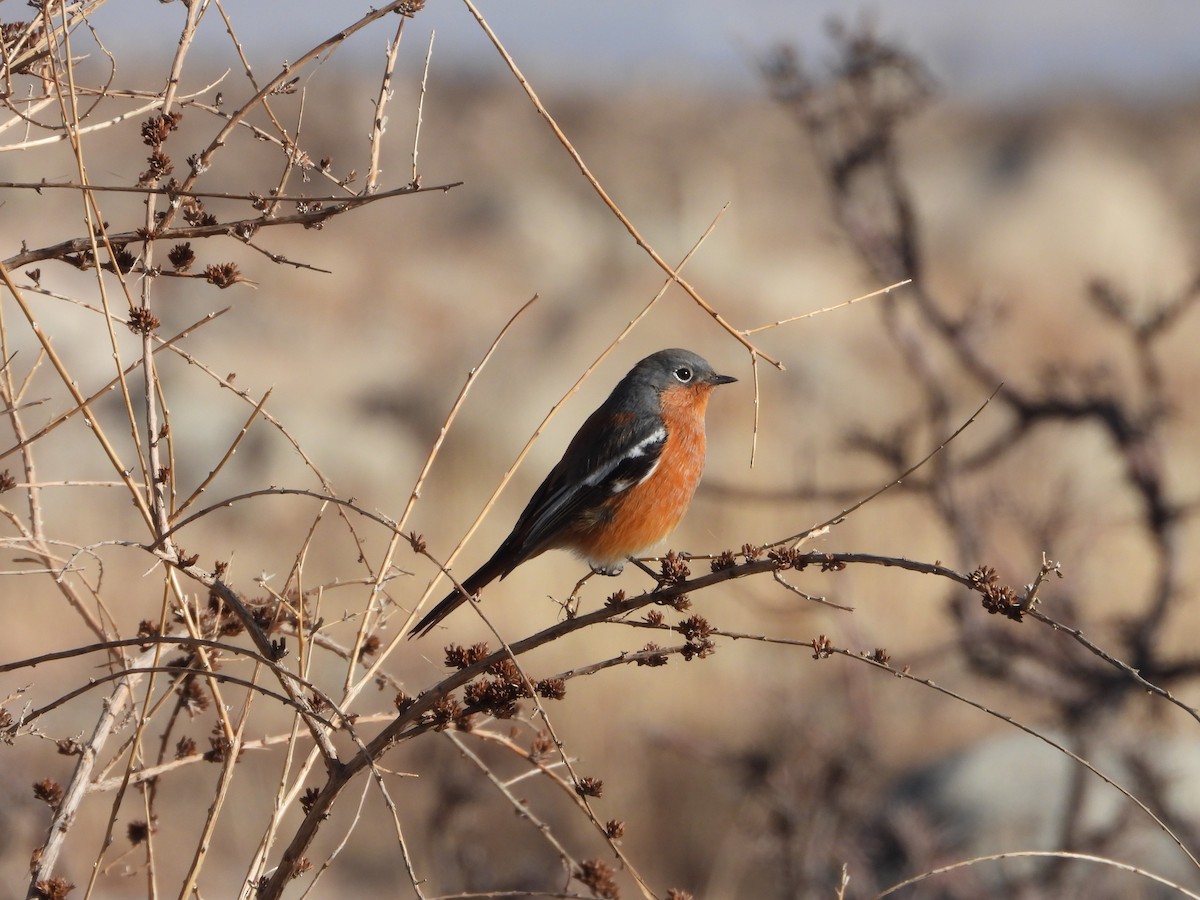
column 989, row 50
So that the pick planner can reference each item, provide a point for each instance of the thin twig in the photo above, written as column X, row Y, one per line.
column 416, row 177
column 379, row 120
column 216, row 470
column 603, row 194
column 817, row 312
column 841, row 517
column 1039, row 854
column 169, row 343
column 203, row 160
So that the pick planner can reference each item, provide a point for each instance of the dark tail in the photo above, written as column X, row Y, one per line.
column 487, row 573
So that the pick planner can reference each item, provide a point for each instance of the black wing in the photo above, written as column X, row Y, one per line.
column 597, row 465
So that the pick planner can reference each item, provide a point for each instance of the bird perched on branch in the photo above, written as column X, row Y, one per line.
column 623, row 483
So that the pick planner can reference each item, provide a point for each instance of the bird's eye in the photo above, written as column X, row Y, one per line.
column 683, row 374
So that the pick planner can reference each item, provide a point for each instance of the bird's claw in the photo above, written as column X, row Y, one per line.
column 610, row 569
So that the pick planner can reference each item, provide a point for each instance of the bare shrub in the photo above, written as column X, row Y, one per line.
column 282, row 716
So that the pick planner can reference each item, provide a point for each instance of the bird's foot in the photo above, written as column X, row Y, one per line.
column 610, row 569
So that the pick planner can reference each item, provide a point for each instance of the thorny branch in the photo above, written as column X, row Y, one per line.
column 854, row 123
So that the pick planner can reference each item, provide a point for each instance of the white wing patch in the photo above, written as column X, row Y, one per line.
column 638, row 450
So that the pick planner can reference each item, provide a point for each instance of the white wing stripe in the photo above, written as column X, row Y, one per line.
column 624, row 484
column 638, row 450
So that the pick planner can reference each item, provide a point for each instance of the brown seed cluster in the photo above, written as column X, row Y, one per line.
column 150, row 630
column 589, row 787
column 308, row 798
column 615, row 599
column 445, row 712
column 56, row 888
column 220, row 619
column 223, row 275
column 370, row 646
column 551, row 688
column 137, row 832
column 787, row 558
column 674, row 569
column 459, row 657
column 998, row 599
column 122, row 261
column 194, row 212
column 220, row 746
column 498, row 695
column 142, row 321
column 697, row 631
column 695, row 628
column 181, row 256
column 155, row 132
column 597, row 875
column 49, row 792
column 822, row 648
column 830, row 563
column 726, row 560
column 654, row 656
column 157, row 129
column 540, row 747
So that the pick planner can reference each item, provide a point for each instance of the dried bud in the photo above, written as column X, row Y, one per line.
column 142, row 321
column 541, row 746
column 598, row 876
column 223, row 275
column 182, row 257
column 49, row 792
column 308, row 798
column 552, row 688
column 370, row 646
column 822, row 648
column 727, row 560
column 589, row 787
column 654, row 658
column 674, row 568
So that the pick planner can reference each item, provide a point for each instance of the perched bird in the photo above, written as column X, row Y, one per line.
column 623, row 483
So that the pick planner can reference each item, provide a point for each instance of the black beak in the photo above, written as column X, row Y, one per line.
column 715, row 379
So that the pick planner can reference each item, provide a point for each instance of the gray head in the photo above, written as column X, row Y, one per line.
column 676, row 368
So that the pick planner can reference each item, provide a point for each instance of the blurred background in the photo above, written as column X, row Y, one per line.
column 1048, row 160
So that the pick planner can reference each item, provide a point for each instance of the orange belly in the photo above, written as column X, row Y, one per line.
column 642, row 516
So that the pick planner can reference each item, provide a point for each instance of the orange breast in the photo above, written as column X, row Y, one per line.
column 644, row 515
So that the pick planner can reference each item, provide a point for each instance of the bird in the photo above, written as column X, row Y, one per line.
column 624, row 481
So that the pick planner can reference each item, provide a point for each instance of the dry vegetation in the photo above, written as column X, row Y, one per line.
column 241, row 449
